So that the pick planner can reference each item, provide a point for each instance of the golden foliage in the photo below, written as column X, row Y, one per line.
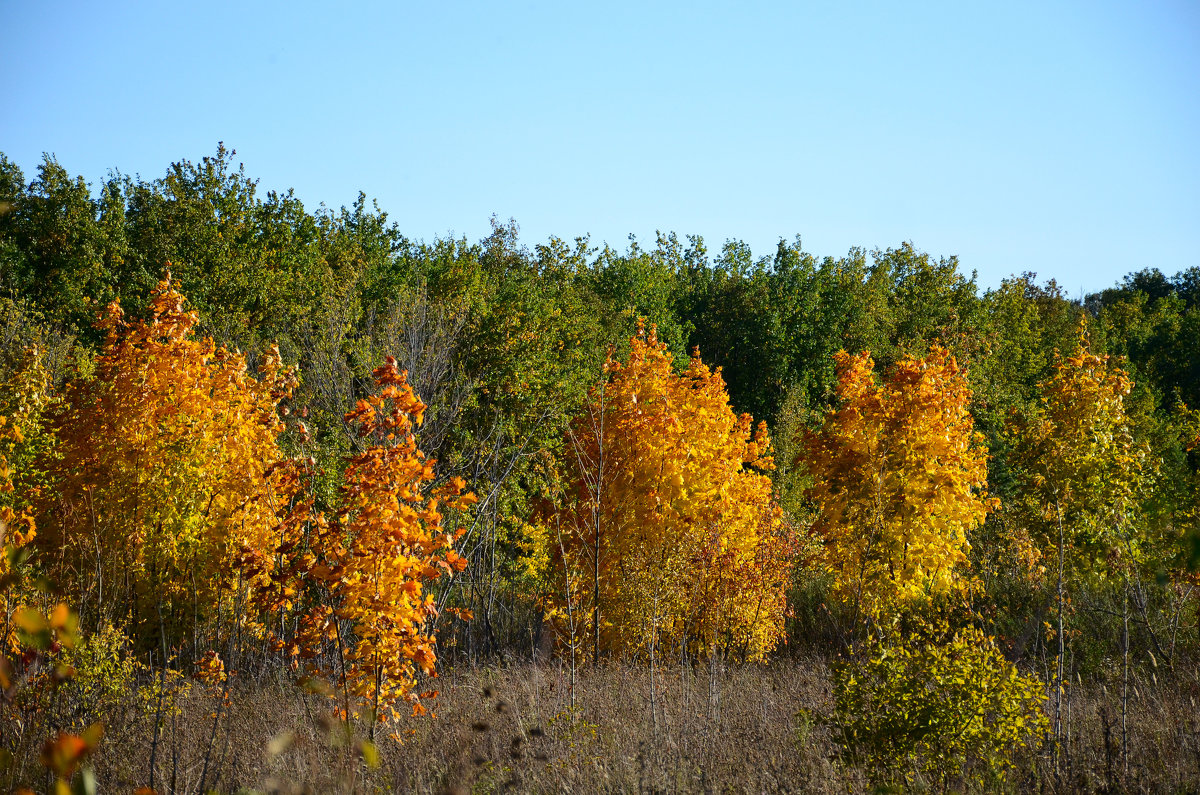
column 900, row 479
column 669, row 531
column 366, row 573
column 395, row 542
column 1086, row 471
column 164, row 469
column 23, row 440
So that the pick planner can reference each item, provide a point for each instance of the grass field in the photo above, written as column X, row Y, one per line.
column 701, row 729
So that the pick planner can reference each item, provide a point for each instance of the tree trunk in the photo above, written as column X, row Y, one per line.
column 1058, row 680
column 1125, row 679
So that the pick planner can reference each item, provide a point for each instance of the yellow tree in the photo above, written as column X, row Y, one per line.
column 1084, row 481
column 24, row 442
column 17, row 528
column 942, row 705
column 899, row 481
column 667, row 530
column 163, row 474
column 1084, row 471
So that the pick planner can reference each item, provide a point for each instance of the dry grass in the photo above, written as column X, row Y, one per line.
column 742, row 729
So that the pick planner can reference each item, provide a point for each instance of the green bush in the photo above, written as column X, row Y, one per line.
column 942, row 710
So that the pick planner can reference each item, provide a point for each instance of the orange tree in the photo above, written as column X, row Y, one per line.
column 666, row 531
column 162, row 475
column 899, row 480
column 357, row 587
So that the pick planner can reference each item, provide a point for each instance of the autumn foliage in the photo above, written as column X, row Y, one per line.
column 163, row 471
column 1086, row 473
column 22, row 442
column 899, row 480
column 359, row 584
column 667, row 529
column 393, row 542
column 937, row 708
column 185, row 527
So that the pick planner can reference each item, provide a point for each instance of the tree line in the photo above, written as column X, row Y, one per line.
column 238, row 433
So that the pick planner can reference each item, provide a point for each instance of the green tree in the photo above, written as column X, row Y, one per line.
column 1085, row 476
column 61, row 248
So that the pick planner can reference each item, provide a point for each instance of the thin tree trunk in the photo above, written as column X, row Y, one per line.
column 570, row 616
column 1058, row 681
column 596, row 522
column 1125, row 679
column 174, row 750
column 653, row 690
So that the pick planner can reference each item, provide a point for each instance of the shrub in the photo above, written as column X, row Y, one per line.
column 939, row 709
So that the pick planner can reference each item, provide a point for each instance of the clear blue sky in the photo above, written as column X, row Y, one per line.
column 1054, row 137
